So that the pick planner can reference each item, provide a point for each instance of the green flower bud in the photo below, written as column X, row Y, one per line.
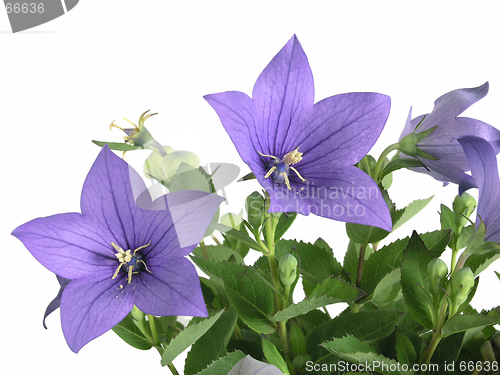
column 137, row 314
column 437, row 271
column 461, row 282
column 254, row 205
column 408, row 145
column 152, row 165
column 463, row 206
column 288, row 269
column 231, row 220
column 173, row 160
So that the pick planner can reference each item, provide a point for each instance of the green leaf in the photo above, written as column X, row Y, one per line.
column 240, row 236
column 118, row 146
column 365, row 325
column 353, row 350
column 411, row 210
column 187, row 337
column 190, row 178
column 498, row 274
column 365, row 234
column 316, row 263
column 396, row 164
column 405, row 351
column 459, row 323
column 219, row 253
column 224, row 364
column 447, row 352
column 284, row 222
column 273, row 356
column 212, row 344
column 298, row 340
column 326, row 292
column 388, row 289
column 413, row 275
column 250, row 294
column 129, row 333
column 478, row 263
column 447, row 218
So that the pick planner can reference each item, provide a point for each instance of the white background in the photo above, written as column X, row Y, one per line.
column 62, row 83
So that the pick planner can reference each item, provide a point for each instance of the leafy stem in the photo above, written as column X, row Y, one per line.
column 381, row 159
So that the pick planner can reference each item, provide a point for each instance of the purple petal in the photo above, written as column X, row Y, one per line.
column 108, row 197
column 172, row 288
column 237, row 114
column 90, row 307
column 341, row 130
column 283, row 96
column 484, row 168
column 340, row 193
column 68, row 245
column 56, row 302
column 409, row 127
column 452, row 104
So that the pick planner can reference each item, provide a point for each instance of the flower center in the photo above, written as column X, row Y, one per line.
column 131, row 263
column 277, row 169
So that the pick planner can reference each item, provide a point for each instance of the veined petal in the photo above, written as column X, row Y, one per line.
column 344, row 193
column 108, row 197
column 283, row 96
column 484, row 168
column 453, row 103
column 409, row 127
column 172, row 288
column 237, row 115
column 70, row 245
column 341, row 129
column 92, row 306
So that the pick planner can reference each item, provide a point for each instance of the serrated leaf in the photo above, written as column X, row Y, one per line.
column 349, row 344
column 273, row 356
column 326, row 293
column 459, row 323
column 223, row 365
column 117, row 146
column 404, row 348
column 478, row 263
column 413, row 275
column 365, row 234
column 187, row 337
column 129, row 333
column 212, row 344
column 377, row 362
column 447, row 218
column 447, row 352
column 411, row 210
column 249, row 293
column 240, row 236
column 388, row 289
column 365, row 325
column 297, row 340
column 250, row 366
column 396, row 164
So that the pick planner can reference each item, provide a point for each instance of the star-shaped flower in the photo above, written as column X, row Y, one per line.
column 120, row 251
column 442, row 142
column 303, row 153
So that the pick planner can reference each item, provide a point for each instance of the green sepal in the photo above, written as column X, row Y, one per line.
column 119, row 146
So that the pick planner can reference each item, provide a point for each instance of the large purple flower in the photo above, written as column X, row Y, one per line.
column 442, row 142
column 303, row 153
column 483, row 163
column 121, row 251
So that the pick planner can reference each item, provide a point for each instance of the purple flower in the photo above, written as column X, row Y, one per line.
column 120, row 251
column 483, row 164
column 303, row 153
column 442, row 142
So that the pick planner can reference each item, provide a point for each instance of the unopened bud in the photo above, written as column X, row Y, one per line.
column 463, row 206
column 288, row 269
column 172, row 161
column 152, row 165
column 437, row 271
column 137, row 314
column 231, row 220
column 461, row 282
column 254, row 205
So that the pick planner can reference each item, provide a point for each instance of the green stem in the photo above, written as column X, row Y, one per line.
column 237, row 332
column 361, row 262
column 381, row 159
column 203, row 249
column 436, row 338
column 152, row 325
column 172, row 368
